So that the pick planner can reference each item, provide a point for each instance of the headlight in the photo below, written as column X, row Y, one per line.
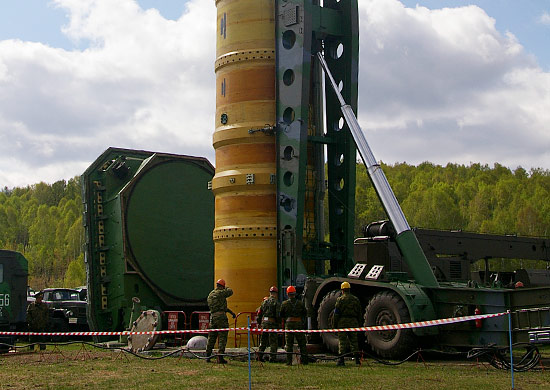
column 69, row 313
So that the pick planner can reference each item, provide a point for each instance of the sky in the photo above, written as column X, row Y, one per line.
column 441, row 81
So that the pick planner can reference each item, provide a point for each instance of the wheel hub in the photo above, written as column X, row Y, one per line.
column 386, row 317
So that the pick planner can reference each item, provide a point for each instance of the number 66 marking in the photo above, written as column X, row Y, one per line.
column 4, row 299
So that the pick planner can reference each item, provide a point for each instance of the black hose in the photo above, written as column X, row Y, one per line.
column 499, row 357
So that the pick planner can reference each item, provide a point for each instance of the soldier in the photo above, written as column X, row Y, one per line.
column 347, row 314
column 217, row 302
column 268, row 318
column 37, row 319
column 294, row 313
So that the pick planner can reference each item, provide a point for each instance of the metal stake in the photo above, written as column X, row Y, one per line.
column 249, row 367
column 511, row 357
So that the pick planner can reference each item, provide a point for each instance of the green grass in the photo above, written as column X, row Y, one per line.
column 73, row 368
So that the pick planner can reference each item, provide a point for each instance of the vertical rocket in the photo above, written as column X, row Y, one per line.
column 245, row 231
column 274, row 122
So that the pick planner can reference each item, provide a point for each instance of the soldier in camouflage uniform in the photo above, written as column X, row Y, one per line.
column 37, row 319
column 268, row 318
column 347, row 314
column 217, row 302
column 294, row 313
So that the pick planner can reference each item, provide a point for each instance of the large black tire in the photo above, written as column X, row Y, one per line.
column 58, row 325
column 386, row 308
column 6, row 342
column 325, row 320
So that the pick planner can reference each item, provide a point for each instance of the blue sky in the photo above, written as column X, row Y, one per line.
column 42, row 21
column 439, row 81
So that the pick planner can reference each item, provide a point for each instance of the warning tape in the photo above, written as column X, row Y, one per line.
column 410, row 325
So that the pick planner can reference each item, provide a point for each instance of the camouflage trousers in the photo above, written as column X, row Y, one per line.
column 38, row 339
column 218, row 322
column 347, row 341
column 270, row 337
column 300, row 338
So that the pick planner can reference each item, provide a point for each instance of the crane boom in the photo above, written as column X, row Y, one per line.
column 406, row 240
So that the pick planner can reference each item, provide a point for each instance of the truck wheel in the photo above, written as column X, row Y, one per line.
column 325, row 320
column 386, row 308
column 59, row 326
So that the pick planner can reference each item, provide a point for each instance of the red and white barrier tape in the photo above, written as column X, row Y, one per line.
column 410, row 325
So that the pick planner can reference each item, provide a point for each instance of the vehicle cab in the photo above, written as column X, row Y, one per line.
column 67, row 310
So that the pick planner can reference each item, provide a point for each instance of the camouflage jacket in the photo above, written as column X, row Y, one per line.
column 37, row 316
column 270, row 308
column 293, row 308
column 347, row 306
column 217, row 301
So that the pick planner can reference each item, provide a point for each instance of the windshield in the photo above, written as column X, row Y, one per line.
column 65, row 295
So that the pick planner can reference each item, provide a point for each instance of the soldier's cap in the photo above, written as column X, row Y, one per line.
column 39, row 294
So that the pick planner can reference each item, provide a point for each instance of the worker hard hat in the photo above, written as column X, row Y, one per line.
column 273, row 289
column 221, row 282
column 291, row 290
column 345, row 285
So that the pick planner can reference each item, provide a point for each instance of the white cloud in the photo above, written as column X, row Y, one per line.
column 145, row 82
column 446, row 86
column 545, row 18
column 439, row 85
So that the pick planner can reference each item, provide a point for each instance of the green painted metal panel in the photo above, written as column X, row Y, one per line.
column 149, row 219
column 341, row 52
column 170, row 245
column 416, row 259
column 293, row 45
column 13, row 289
column 456, row 301
column 305, row 27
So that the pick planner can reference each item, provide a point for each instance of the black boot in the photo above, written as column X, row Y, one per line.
column 208, row 356
column 221, row 360
column 340, row 361
column 261, row 357
column 358, row 359
column 289, row 359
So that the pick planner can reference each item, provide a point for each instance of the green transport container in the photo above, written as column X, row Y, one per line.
column 149, row 219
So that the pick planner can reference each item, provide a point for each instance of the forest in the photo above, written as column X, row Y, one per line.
column 44, row 221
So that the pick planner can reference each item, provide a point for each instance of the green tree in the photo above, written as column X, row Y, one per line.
column 76, row 273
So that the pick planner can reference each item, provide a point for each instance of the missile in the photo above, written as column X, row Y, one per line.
column 244, row 186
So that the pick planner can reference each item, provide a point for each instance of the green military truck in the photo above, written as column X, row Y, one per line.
column 13, row 295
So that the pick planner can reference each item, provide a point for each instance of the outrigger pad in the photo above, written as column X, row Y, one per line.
column 375, row 272
column 357, row 271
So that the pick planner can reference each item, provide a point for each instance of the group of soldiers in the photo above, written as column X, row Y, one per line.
column 347, row 314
